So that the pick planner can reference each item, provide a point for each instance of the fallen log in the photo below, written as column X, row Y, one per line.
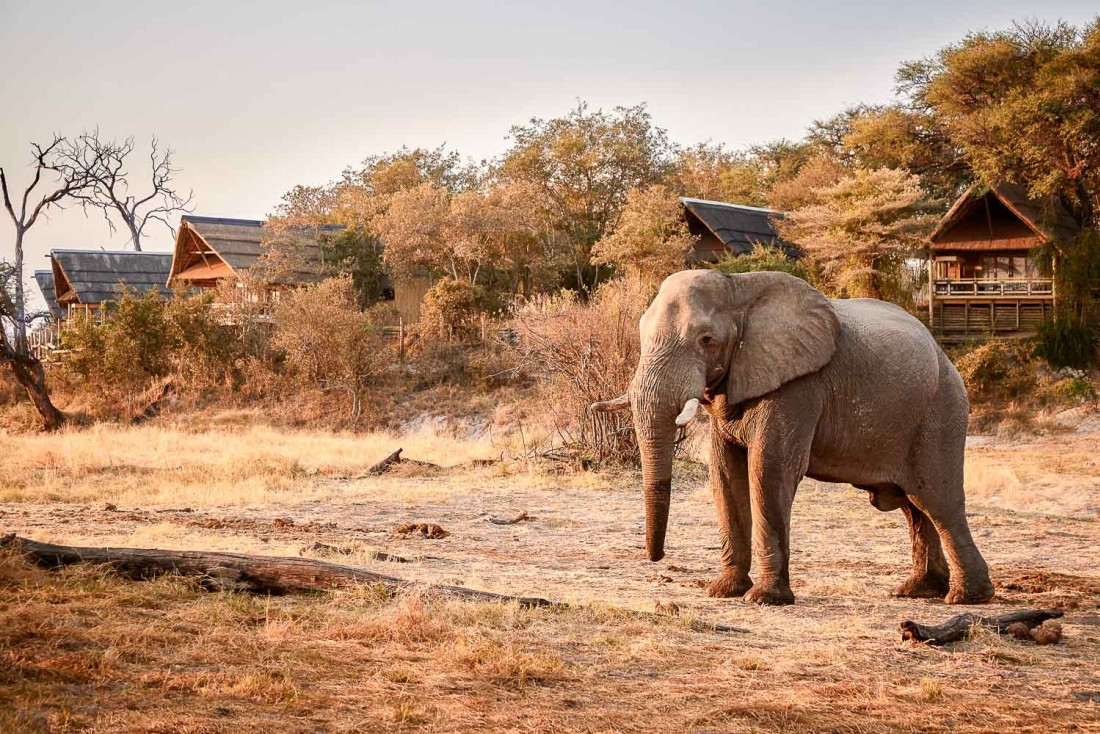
column 959, row 627
column 506, row 521
column 276, row 575
column 383, row 466
column 235, row 571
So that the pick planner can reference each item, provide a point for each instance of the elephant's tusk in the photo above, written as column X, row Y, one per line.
column 687, row 415
column 606, row 406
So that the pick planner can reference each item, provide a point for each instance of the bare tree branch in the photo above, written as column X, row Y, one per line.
column 110, row 188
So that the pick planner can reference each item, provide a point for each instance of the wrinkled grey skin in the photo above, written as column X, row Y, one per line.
column 798, row 385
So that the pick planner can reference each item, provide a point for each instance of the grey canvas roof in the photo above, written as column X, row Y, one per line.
column 739, row 227
column 241, row 242
column 44, row 278
column 95, row 275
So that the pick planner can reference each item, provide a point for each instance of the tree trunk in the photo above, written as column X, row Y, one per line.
column 30, row 374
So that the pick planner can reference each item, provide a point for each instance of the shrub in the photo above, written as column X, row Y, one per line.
column 454, row 309
column 586, row 352
column 997, row 369
column 141, row 338
column 1067, row 392
column 328, row 344
column 762, row 258
column 1065, row 342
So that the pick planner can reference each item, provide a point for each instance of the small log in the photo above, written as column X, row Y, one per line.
column 383, row 466
column 505, row 521
column 274, row 575
column 959, row 627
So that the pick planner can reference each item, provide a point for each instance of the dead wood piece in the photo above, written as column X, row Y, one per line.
column 505, row 521
column 275, row 575
column 394, row 459
column 383, row 466
column 324, row 549
column 156, row 402
column 236, row 571
column 959, row 627
column 426, row 529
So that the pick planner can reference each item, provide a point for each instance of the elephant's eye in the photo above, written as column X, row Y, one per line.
column 706, row 340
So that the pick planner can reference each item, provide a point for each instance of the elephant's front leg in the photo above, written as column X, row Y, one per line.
column 774, row 473
column 729, row 480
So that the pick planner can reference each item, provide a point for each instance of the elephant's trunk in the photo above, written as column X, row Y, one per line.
column 664, row 396
column 657, row 489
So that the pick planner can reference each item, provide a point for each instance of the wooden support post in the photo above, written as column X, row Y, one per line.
column 931, row 291
column 401, row 339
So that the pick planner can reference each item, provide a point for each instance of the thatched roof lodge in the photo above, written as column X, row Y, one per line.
column 985, row 274
column 212, row 249
column 88, row 278
column 44, row 278
column 721, row 228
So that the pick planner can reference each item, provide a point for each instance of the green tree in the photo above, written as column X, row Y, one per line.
column 860, row 230
column 651, row 240
column 584, row 165
column 763, row 258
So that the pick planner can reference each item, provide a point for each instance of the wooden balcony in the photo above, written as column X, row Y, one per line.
column 981, row 288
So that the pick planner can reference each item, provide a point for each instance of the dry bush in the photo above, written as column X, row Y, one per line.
column 583, row 352
column 329, row 345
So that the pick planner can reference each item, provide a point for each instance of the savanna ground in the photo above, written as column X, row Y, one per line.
column 83, row 650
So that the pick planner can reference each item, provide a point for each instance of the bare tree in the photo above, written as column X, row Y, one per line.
column 52, row 162
column 105, row 162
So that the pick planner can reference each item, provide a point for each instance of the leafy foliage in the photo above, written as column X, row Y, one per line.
column 328, row 344
column 651, row 240
column 454, row 309
column 763, row 258
column 1065, row 342
column 861, row 229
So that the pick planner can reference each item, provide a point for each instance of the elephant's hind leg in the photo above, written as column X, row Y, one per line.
column 930, row 577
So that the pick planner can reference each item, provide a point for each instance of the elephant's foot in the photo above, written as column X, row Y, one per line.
column 928, row 585
column 772, row 595
column 970, row 591
column 731, row 583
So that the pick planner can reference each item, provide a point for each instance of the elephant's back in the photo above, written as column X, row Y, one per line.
column 886, row 364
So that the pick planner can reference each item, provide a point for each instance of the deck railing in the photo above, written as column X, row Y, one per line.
column 975, row 287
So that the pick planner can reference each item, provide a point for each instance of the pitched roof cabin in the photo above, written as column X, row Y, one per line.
column 985, row 276
column 85, row 279
column 721, row 228
column 44, row 278
column 212, row 249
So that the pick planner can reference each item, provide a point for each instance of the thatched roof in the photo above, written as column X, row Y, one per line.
column 44, row 278
column 739, row 227
column 91, row 277
column 209, row 249
column 1002, row 217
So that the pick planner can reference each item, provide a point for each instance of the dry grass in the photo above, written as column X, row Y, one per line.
column 231, row 460
column 84, row 651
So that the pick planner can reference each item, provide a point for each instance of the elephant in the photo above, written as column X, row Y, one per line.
column 799, row 385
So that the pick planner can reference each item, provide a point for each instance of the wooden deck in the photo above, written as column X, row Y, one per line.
column 963, row 309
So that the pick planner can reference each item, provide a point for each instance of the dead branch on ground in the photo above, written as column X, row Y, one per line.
column 959, row 627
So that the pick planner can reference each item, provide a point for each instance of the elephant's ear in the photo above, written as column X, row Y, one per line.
column 788, row 329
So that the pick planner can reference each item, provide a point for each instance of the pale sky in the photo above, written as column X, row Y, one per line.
column 257, row 97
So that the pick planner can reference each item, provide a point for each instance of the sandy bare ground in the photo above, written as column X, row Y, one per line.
column 837, row 650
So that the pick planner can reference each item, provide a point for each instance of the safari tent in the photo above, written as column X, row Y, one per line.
column 720, row 228
column 44, row 278
column 989, row 271
column 86, row 279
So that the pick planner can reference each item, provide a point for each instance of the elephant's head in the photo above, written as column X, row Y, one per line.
column 706, row 332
